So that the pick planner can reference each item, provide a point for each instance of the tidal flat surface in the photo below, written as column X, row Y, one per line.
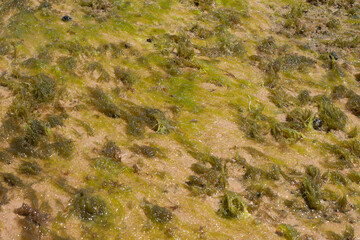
column 179, row 119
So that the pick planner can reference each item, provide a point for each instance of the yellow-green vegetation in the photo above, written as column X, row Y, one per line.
column 179, row 119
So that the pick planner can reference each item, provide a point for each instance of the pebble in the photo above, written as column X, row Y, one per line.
column 66, row 18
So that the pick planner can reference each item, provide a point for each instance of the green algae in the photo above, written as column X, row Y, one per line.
column 347, row 234
column 12, row 180
column 72, row 54
column 29, row 168
column 156, row 213
column 232, row 206
column 64, row 147
column 332, row 116
column 89, row 207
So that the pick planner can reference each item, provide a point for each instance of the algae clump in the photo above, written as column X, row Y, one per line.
column 156, row 213
column 232, row 206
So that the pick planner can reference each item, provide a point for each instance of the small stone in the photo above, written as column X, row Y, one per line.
column 357, row 77
column 317, row 124
column 66, row 18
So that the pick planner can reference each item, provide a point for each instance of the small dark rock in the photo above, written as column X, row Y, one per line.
column 357, row 77
column 317, row 124
column 334, row 56
column 66, row 18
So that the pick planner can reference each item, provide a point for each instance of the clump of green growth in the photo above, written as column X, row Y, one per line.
column 209, row 180
column 228, row 17
column 314, row 174
column 201, row 32
column 347, row 43
column 103, row 75
column 288, row 232
column 89, row 207
column 109, row 165
column 5, row 157
column 12, row 180
column 331, row 116
column 232, row 206
column 203, row 4
column 336, row 72
column 184, row 47
column 256, row 191
column 353, row 133
column 312, row 194
column 157, row 121
column 43, row 88
column 74, row 48
column 126, row 76
column 88, row 129
column 67, row 64
column 156, row 213
column 5, row 48
column 19, row 146
column 348, row 234
column 291, row 62
column 300, row 119
column 104, row 104
column 35, row 132
column 293, row 19
column 19, row 110
column 199, row 186
column 3, row 195
column 354, row 177
column 254, row 124
column 64, row 147
column 53, row 120
column 153, row 118
column 147, row 151
column 311, row 188
column 353, row 146
column 29, row 168
column 215, row 162
column 344, row 157
column 353, row 105
column 339, row 92
column 135, row 125
column 333, row 24
column 283, row 132
column 341, row 204
column 303, row 98
column 5, row 7
column 337, row 178
column 257, row 174
column 111, row 150
column 101, row 5
column 31, row 63
column 227, row 44
column 267, row 46
column 114, row 49
column 280, row 98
